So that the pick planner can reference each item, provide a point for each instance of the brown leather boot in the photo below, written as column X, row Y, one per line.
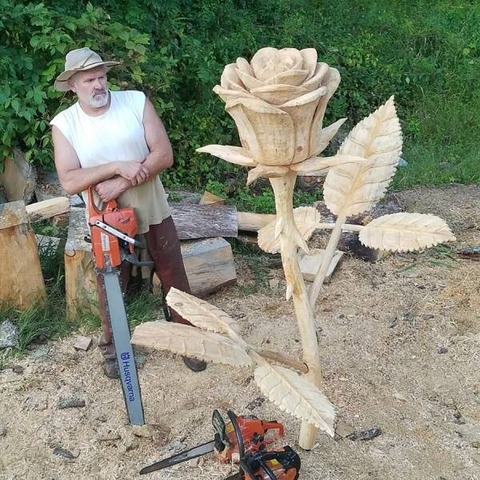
column 164, row 249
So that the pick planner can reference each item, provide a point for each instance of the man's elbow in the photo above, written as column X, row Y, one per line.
column 69, row 187
column 169, row 161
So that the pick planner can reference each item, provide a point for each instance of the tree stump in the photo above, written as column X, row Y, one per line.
column 21, row 281
column 80, row 279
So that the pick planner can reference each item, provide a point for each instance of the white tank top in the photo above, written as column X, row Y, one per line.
column 117, row 135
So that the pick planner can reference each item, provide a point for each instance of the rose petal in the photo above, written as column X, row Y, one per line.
column 230, row 79
column 267, row 136
column 278, row 94
column 252, row 103
column 331, row 80
column 306, row 98
column 292, row 77
column 302, row 111
column 317, row 79
column 310, row 57
column 326, row 134
column 249, row 81
column 231, row 154
column 268, row 171
column 268, row 62
column 244, row 66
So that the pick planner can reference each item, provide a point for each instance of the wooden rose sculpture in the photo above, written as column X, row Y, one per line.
column 278, row 101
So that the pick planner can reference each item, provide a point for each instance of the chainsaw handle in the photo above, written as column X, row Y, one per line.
column 238, row 433
column 110, row 206
column 273, row 426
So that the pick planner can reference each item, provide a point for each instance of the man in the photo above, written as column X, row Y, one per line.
column 116, row 142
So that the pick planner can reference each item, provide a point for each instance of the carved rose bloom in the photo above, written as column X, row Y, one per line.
column 278, row 102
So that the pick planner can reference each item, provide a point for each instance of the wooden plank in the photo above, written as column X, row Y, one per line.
column 48, row 208
column 204, row 221
column 21, row 281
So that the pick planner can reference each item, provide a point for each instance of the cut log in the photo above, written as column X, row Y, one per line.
column 21, row 281
column 209, row 265
column 253, row 222
column 80, row 279
column 48, row 208
column 204, row 221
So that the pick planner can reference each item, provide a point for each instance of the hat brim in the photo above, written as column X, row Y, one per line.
column 61, row 82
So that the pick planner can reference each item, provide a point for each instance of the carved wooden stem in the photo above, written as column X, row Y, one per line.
column 289, row 241
column 327, row 258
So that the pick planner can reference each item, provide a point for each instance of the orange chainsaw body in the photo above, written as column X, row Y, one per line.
column 256, row 435
column 106, row 246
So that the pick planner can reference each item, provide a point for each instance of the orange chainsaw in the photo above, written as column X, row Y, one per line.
column 112, row 232
column 232, row 440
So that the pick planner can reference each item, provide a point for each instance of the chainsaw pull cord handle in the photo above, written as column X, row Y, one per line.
column 111, row 205
column 238, row 433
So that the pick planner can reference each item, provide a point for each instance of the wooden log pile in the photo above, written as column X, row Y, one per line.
column 202, row 225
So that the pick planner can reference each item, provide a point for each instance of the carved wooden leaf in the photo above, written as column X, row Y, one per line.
column 191, row 342
column 306, row 219
column 201, row 313
column 296, row 396
column 405, row 232
column 353, row 188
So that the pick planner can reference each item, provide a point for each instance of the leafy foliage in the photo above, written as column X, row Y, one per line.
column 424, row 53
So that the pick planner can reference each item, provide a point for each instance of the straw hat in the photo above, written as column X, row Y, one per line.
column 77, row 61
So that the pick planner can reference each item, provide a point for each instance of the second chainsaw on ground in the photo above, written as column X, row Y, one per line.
column 232, row 440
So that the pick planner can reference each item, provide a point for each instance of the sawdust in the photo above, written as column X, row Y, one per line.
column 399, row 350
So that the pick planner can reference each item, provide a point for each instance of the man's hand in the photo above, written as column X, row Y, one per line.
column 112, row 188
column 136, row 172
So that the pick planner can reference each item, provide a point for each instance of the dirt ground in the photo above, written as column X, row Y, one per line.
column 399, row 342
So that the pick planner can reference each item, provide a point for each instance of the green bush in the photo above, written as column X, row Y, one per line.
column 425, row 53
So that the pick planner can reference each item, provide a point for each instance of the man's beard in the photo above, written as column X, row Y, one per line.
column 99, row 99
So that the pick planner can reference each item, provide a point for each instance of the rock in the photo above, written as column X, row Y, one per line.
column 61, row 452
column 8, row 334
column 82, row 343
column 442, row 350
column 70, row 402
column 158, row 433
column 18, row 369
column 365, row 434
column 258, row 402
column 343, row 430
column 40, row 352
column 3, row 430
